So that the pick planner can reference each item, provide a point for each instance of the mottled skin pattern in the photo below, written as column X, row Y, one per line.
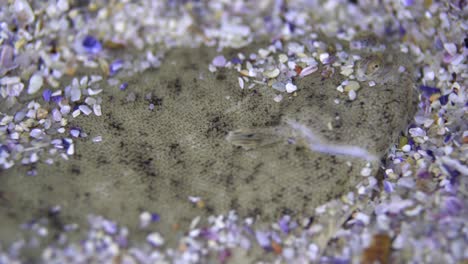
column 153, row 160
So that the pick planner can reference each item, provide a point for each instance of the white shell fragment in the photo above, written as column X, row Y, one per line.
column 324, row 57
column 366, row 171
column 308, row 70
column 23, row 12
column 352, row 95
column 278, row 98
column 35, row 83
column 75, row 94
column 155, row 239
column 9, row 80
column 451, row 48
column 241, row 82
column 85, row 109
column 290, row 88
column 97, row 110
column 279, row 86
column 347, row 71
column 272, row 73
column 352, row 86
column 282, row 58
column 6, row 59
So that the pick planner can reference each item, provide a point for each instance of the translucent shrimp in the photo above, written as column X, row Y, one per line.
column 259, row 137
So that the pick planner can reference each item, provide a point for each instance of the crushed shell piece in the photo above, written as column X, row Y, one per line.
column 272, row 73
column 352, row 85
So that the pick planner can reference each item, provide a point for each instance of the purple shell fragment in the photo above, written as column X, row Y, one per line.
column 91, row 45
column 110, row 227
column 56, row 99
column 263, row 239
column 155, row 217
column 115, row 66
column 123, row 86
column 6, row 59
column 219, row 61
column 444, row 99
column 236, row 60
column 428, row 91
column 46, row 95
column 284, row 224
column 224, row 255
column 388, row 186
column 453, row 205
column 424, row 175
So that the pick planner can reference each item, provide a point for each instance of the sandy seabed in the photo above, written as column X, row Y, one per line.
column 311, row 136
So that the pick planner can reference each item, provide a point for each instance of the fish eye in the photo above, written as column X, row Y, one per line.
column 373, row 65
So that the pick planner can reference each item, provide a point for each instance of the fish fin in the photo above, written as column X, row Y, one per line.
column 250, row 138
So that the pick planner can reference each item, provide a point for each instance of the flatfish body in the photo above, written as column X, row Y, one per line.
column 235, row 149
